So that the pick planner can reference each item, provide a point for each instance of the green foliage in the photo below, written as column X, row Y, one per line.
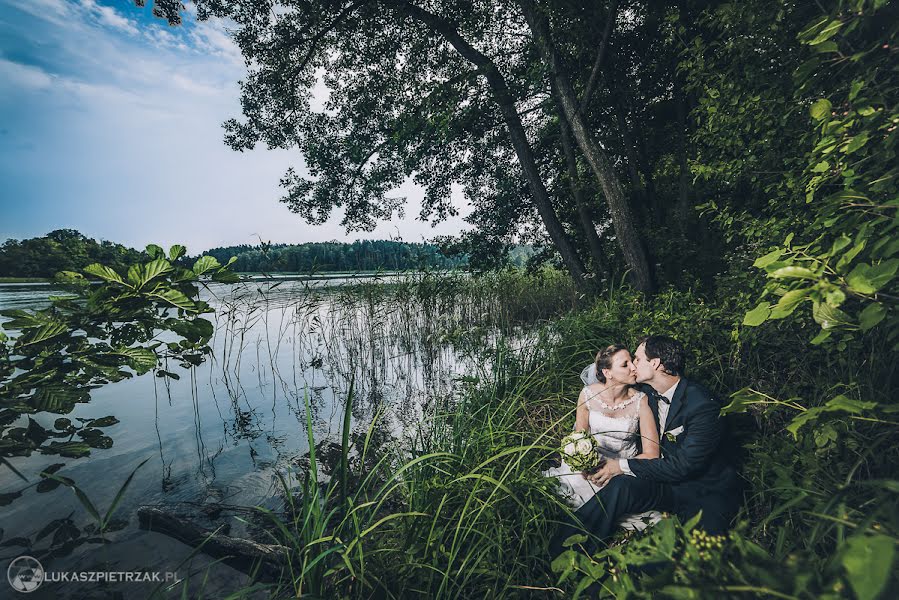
column 843, row 261
column 100, row 333
column 361, row 255
column 61, row 250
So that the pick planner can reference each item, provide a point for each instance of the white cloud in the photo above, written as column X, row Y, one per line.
column 126, row 136
column 212, row 37
column 58, row 12
column 108, row 16
column 24, row 76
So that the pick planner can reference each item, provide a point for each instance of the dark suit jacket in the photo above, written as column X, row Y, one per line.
column 694, row 464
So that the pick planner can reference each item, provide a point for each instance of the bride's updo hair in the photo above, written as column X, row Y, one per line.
column 604, row 359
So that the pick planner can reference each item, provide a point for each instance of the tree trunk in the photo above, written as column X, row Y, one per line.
column 262, row 561
column 577, row 190
column 597, row 64
column 522, row 147
column 622, row 218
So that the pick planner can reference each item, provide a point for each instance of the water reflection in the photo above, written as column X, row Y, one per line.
column 220, row 432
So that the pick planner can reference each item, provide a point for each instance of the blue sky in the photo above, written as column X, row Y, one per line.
column 110, row 123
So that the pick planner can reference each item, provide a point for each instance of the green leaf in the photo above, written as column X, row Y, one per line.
column 871, row 316
column 103, row 272
column 828, row 46
column 792, row 299
column 56, row 398
column 847, row 404
column 176, row 252
column 857, row 142
column 763, row 261
column 575, row 539
column 175, row 298
column 194, row 331
column 855, row 88
column 850, row 256
column 827, row 32
column 757, row 315
column 868, row 561
column 840, row 243
column 693, row 522
column 135, row 274
column 103, row 442
column 154, row 269
column 793, row 273
column 835, row 297
column 814, row 29
column 154, row 251
column 225, row 276
column 821, row 167
column 47, row 331
column 140, row 359
column 802, row 419
column 205, row 263
column 740, row 401
column 821, row 109
column 821, row 337
column 67, row 449
column 102, row 422
column 867, row 279
column 829, row 317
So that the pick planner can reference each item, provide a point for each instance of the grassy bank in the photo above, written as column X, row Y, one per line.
column 24, row 280
column 461, row 510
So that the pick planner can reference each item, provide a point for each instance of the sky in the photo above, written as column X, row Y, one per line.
column 110, row 123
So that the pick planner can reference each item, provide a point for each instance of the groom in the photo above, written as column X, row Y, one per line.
column 693, row 473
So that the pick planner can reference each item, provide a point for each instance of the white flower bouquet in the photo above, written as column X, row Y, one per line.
column 580, row 451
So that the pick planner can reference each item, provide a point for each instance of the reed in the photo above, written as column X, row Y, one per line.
column 458, row 508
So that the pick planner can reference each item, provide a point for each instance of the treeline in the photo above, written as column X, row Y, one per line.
column 61, row 250
column 366, row 255
column 70, row 250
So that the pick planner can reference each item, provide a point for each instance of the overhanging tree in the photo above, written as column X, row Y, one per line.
column 421, row 98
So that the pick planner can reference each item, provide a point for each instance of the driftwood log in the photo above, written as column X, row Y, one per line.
column 264, row 562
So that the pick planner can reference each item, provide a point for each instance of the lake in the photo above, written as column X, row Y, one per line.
column 217, row 437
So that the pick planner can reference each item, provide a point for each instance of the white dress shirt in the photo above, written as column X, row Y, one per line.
column 663, row 416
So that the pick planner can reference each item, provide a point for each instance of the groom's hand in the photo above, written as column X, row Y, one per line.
column 609, row 469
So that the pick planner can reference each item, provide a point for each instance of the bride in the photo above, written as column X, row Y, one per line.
column 620, row 420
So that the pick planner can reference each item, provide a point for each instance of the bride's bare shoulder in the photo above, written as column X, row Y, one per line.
column 593, row 389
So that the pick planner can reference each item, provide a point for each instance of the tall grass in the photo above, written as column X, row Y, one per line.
column 459, row 509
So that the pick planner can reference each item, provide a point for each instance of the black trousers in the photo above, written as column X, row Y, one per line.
column 625, row 495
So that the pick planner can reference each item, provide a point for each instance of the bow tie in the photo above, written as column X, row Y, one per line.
column 659, row 397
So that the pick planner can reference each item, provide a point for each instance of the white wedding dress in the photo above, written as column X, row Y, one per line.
column 615, row 432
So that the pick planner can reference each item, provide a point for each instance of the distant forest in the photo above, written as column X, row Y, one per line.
column 61, row 250
column 365, row 255
column 69, row 250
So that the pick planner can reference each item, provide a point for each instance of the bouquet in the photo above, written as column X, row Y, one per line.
column 580, row 451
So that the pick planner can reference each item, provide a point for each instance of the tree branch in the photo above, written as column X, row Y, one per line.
column 600, row 56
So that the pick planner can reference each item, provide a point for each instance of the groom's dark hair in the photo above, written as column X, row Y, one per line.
column 668, row 350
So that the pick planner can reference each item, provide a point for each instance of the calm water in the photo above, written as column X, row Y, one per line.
column 219, row 435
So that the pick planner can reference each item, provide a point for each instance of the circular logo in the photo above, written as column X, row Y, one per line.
column 25, row 574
